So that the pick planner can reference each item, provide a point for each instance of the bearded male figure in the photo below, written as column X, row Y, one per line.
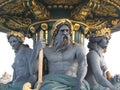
column 66, row 60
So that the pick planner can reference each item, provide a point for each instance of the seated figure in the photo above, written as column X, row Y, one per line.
column 97, row 68
column 22, row 67
column 67, row 64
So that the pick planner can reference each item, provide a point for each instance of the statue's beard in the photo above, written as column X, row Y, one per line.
column 61, row 42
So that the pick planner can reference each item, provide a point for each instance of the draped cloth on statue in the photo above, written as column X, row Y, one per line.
column 15, row 86
column 99, row 87
column 61, row 82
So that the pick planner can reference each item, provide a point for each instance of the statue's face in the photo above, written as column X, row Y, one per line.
column 64, row 32
column 104, row 42
column 62, row 39
column 14, row 42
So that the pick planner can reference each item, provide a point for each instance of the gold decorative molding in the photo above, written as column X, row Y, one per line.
column 100, row 23
column 115, row 3
column 32, row 29
column 2, row 20
column 106, row 10
column 76, row 26
column 94, row 4
column 104, row 31
column 115, row 22
column 60, row 6
column 80, row 12
column 4, row 2
column 97, row 33
column 12, row 7
column 71, row 2
column 17, row 34
column 18, row 22
column 39, row 10
column 97, row 24
column 44, row 26
column 4, row 29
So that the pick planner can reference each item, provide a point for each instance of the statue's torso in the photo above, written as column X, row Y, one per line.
column 62, row 62
column 20, row 65
column 90, row 77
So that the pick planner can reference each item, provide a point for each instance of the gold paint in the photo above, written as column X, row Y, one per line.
column 18, row 22
column 106, row 10
column 37, row 38
column 108, row 74
column 71, row 7
column 50, row 7
column 81, row 38
column 66, row 6
column 32, row 29
column 46, row 36
column 55, row 6
column 2, row 20
column 94, row 4
column 103, row 31
column 97, row 24
column 4, row 2
column 80, row 13
column 44, row 26
column 115, row 21
column 13, row 8
column 60, row 6
column 39, row 10
column 63, row 20
column 86, row 30
column 76, row 26
column 17, row 34
column 96, row 33
column 115, row 3
column 27, row 86
column 73, row 36
column 62, row 1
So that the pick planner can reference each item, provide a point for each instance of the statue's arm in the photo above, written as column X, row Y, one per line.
column 33, row 64
column 82, row 65
column 93, row 59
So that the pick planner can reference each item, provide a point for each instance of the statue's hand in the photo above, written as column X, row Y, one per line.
column 40, row 44
column 43, row 43
column 94, row 4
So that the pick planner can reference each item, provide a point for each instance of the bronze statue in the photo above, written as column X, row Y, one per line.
column 97, row 68
column 22, row 67
column 67, row 62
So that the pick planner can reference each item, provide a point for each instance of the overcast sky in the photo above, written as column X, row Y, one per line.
column 112, row 55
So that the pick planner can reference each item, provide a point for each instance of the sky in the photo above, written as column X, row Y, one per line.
column 112, row 56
